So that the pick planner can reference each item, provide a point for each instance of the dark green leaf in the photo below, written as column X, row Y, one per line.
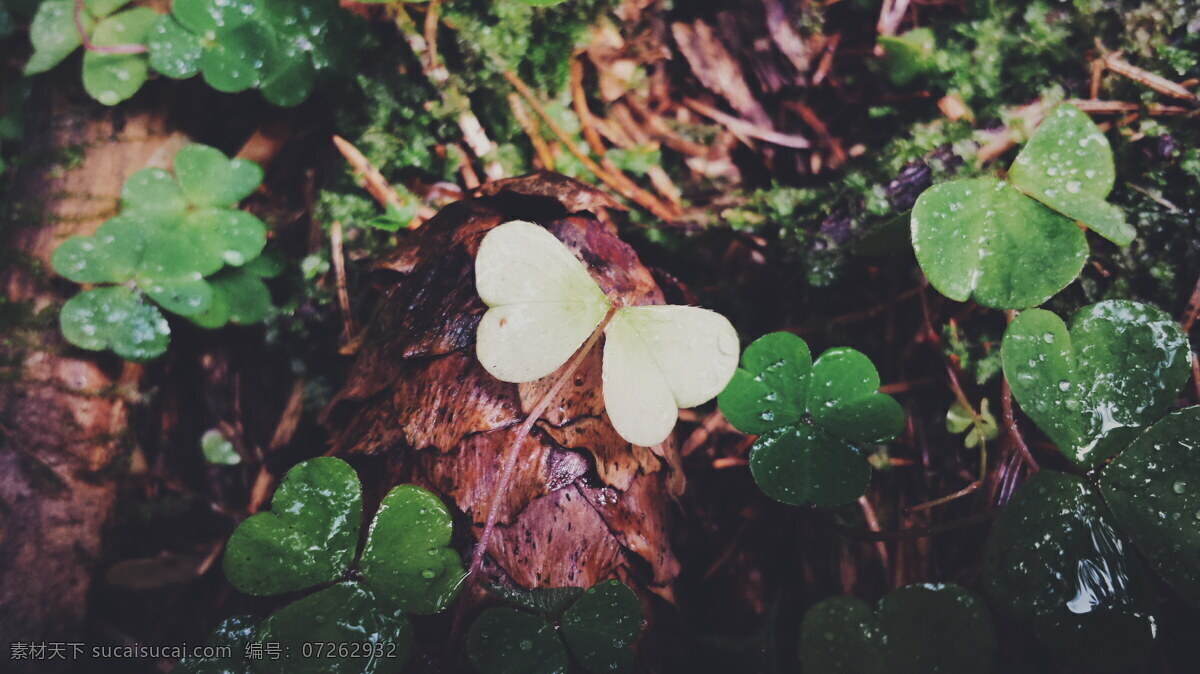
column 345, row 614
column 808, row 414
column 1153, row 488
column 919, row 629
column 235, row 62
column 308, row 537
column 210, row 18
column 507, row 641
column 1093, row 389
column 186, row 297
column 242, row 297
column 601, row 625
column 406, row 558
column 1056, row 562
column 236, row 236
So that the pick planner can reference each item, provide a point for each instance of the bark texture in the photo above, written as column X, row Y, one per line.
column 585, row 505
column 63, row 412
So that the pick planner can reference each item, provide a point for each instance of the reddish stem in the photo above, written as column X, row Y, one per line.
column 510, row 462
column 109, row 49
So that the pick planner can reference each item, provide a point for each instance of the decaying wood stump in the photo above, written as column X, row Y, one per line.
column 418, row 407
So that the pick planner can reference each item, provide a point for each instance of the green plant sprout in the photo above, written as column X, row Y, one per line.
column 908, row 56
column 1094, row 388
column 979, row 430
column 808, row 415
column 916, row 629
column 217, row 449
column 1059, row 555
column 310, row 538
column 278, row 46
column 1014, row 244
column 598, row 626
column 178, row 240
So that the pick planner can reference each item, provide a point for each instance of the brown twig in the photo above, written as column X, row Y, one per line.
column 625, row 188
column 530, row 126
column 742, row 127
column 339, row 274
column 868, row 511
column 374, row 182
column 1158, row 83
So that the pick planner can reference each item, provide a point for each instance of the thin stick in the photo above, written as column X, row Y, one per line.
column 1192, row 310
column 1010, row 426
column 530, row 126
column 742, row 127
column 510, row 463
column 914, row 532
column 108, row 49
column 374, row 182
column 625, row 188
column 1162, row 85
column 339, row 273
column 873, row 524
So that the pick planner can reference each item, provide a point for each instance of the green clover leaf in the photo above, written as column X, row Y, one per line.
column 154, row 194
column 346, row 613
column 1068, row 165
column 239, row 297
column 807, row 415
column 407, row 559
column 917, row 629
column 111, row 255
column 1056, row 561
column 54, row 35
column 508, row 641
column 598, row 624
column 1092, row 389
column 217, row 449
column 308, row 537
column 1153, row 488
column 115, row 318
column 1015, row 244
column 601, row 625
column 234, row 633
column 209, row 178
column 112, row 78
column 982, row 239
column 173, row 50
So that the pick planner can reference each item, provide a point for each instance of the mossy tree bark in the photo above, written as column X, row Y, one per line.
column 64, row 413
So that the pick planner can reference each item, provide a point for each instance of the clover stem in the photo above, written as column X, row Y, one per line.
column 109, row 49
column 510, row 460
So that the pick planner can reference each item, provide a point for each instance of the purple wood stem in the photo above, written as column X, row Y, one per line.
column 111, row 49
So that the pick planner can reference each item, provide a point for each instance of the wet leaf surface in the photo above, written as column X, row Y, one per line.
column 1068, row 165
column 377, row 640
column 982, row 239
column 1153, row 488
column 407, row 560
column 601, row 625
column 808, row 414
column 308, row 537
column 112, row 78
column 917, row 629
column 508, row 641
column 115, row 318
column 234, row 633
column 1056, row 562
column 1092, row 389
column 209, row 178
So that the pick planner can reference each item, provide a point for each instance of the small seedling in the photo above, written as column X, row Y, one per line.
column 310, row 537
column 909, row 56
column 598, row 626
column 1094, row 388
column 979, row 429
column 178, row 240
column 808, row 415
column 1014, row 244
column 917, row 629
column 217, row 449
